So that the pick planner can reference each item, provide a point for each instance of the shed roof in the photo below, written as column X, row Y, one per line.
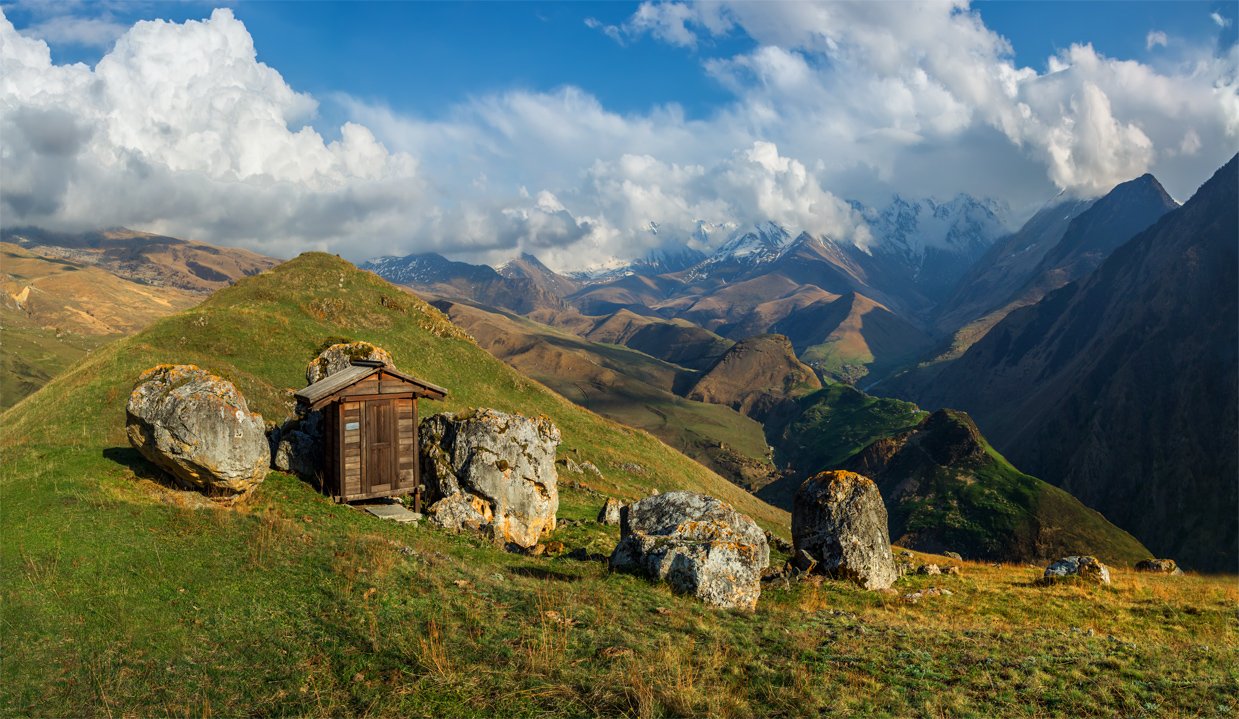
column 332, row 384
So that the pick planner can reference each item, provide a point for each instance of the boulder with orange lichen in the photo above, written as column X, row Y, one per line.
column 697, row 544
column 491, row 471
column 198, row 428
column 839, row 519
column 341, row 356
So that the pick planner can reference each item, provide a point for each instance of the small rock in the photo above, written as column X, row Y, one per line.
column 953, row 555
column 954, row 571
column 591, row 468
column 610, row 512
column 1159, row 566
column 632, row 468
column 928, row 569
column 554, row 547
column 537, row 550
column 569, row 465
column 1087, row 568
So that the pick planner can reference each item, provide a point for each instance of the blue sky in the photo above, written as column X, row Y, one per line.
column 370, row 49
column 566, row 128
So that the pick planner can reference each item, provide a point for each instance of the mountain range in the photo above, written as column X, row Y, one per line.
column 929, row 310
column 1123, row 387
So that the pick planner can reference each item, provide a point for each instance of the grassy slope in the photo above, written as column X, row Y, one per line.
column 121, row 598
column 988, row 508
column 832, row 424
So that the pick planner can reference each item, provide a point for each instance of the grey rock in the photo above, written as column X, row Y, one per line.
column 610, row 512
column 341, row 356
column 591, row 468
column 696, row 544
column 506, row 461
column 928, row 569
column 839, row 518
column 297, row 445
column 461, row 511
column 953, row 555
column 1159, row 566
column 198, row 428
column 569, row 464
column 1087, row 568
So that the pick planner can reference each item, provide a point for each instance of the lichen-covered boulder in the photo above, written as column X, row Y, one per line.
column 461, row 511
column 1087, row 568
column 1159, row 566
column 506, row 461
column 341, row 356
column 198, row 428
column 696, row 544
column 839, row 518
column 610, row 512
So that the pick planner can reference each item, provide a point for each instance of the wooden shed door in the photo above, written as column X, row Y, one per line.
column 380, row 445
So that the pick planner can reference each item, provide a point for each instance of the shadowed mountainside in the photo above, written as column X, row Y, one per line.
column 1123, row 388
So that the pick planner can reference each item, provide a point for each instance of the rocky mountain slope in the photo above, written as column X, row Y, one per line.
column 1089, row 238
column 759, row 377
column 1007, row 265
column 1122, row 388
column 929, row 245
column 524, row 288
column 851, row 337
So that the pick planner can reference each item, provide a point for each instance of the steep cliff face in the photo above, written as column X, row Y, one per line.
column 1123, row 388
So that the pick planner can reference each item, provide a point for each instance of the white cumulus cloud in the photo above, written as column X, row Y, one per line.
column 180, row 129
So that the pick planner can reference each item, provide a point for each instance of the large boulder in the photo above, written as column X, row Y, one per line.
column 839, row 519
column 1089, row 569
column 505, row 461
column 198, row 428
column 341, row 356
column 696, row 544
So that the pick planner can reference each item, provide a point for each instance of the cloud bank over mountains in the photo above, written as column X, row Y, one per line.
column 180, row 129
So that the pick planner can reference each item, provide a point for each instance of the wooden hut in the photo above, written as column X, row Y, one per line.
column 369, row 429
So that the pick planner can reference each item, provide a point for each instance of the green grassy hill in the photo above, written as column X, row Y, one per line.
column 946, row 489
column 119, row 597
